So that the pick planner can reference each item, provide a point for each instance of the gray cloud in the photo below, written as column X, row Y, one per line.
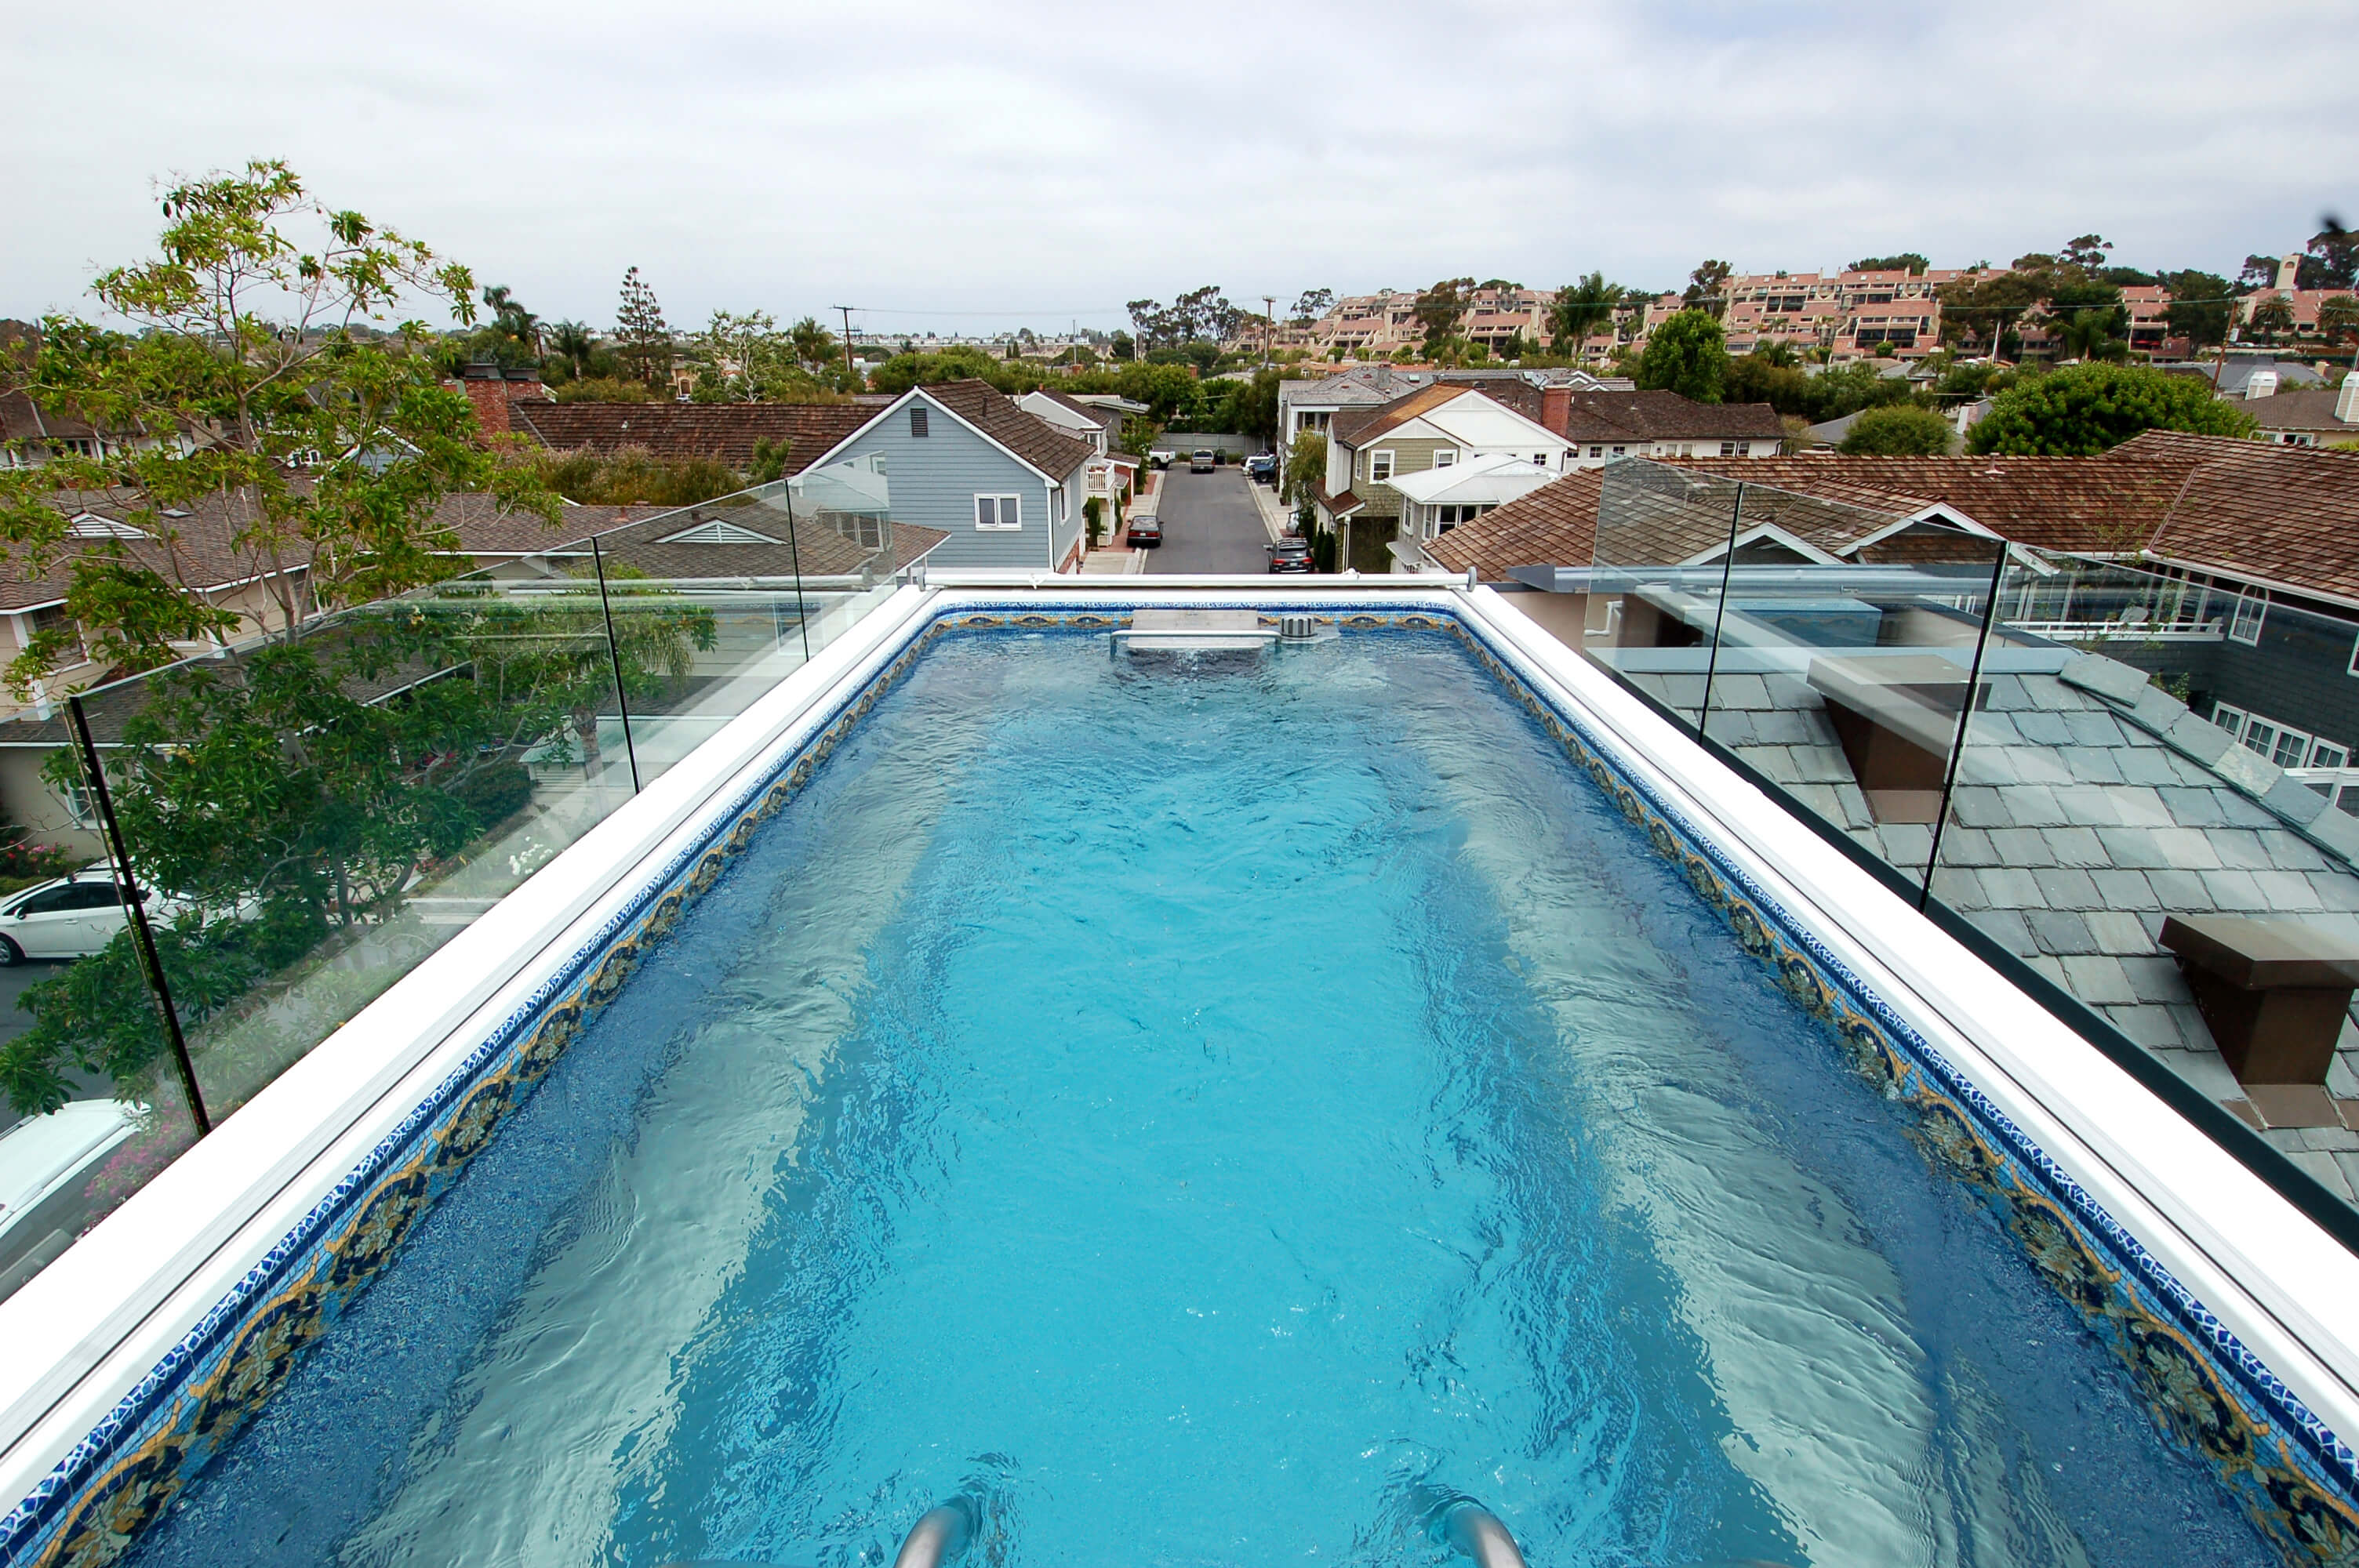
column 1053, row 160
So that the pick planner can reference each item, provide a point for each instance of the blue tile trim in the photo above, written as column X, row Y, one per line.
column 2297, row 1476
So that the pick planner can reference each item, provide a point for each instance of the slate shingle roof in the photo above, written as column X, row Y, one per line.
column 2090, row 805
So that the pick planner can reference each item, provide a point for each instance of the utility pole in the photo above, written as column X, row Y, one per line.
column 847, row 337
column 1269, row 322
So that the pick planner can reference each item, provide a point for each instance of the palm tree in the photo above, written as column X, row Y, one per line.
column 570, row 342
column 1582, row 308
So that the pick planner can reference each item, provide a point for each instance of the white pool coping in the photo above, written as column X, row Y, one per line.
column 86, row 1331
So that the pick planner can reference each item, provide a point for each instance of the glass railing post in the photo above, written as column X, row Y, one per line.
column 795, row 560
column 614, row 661
column 1720, row 610
column 1965, row 721
column 143, row 936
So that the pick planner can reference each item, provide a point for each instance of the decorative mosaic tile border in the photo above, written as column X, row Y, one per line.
column 2207, row 1392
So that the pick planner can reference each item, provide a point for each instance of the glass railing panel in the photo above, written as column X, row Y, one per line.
column 314, row 816
column 1849, row 653
column 1661, row 558
column 2157, row 746
column 716, row 603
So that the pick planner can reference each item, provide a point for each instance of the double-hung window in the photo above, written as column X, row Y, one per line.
column 999, row 511
column 1444, row 456
column 1380, row 466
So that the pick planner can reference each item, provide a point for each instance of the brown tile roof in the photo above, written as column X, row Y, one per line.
column 2099, row 504
column 1341, row 503
column 727, row 431
column 994, row 413
column 1666, row 417
column 1364, row 425
column 21, row 419
column 1554, row 526
column 2285, row 516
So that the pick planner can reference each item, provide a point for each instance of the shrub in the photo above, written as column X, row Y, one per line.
column 2080, row 410
column 1900, row 430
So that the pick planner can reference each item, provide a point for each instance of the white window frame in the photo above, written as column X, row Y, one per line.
column 1445, row 457
column 2239, row 631
column 2320, row 757
column 2231, row 718
column 1001, row 505
column 2354, row 657
column 1382, row 457
column 1733, row 449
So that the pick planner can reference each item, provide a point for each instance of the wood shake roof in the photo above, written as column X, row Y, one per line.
column 994, row 413
column 725, row 431
column 2286, row 517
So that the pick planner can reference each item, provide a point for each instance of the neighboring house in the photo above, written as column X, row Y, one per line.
column 1312, row 403
column 1437, row 426
column 1006, row 486
column 2254, row 549
column 32, row 436
column 2309, row 418
column 1601, row 426
column 1442, row 499
column 1110, row 471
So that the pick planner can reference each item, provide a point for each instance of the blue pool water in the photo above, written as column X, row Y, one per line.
column 1202, row 1113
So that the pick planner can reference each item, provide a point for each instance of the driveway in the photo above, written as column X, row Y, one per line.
column 1210, row 525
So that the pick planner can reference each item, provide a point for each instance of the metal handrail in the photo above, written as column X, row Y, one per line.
column 941, row 1536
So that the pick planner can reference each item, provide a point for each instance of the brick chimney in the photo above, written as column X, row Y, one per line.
column 1556, row 408
column 491, row 389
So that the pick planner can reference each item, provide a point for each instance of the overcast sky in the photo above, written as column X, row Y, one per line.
column 967, row 166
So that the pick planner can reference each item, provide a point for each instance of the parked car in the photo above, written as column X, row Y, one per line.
column 72, row 917
column 43, row 1162
column 1201, row 461
column 1145, row 532
column 1262, row 466
column 1291, row 555
column 1160, row 458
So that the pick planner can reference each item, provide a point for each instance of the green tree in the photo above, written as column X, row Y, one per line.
column 2201, row 307
column 1306, row 467
column 1707, row 288
column 1310, row 305
column 1583, row 310
column 1440, row 311
column 2338, row 318
column 1687, row 354
column 815, row 348
column 571, row 343
column 2272, row 317
column 326, row 445
column 1899, row 430
column 642, row 341
column 2081, row 410
column 1907, row 261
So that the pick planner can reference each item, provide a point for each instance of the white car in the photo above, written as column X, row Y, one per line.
column 72, row 917
column 42, row 1159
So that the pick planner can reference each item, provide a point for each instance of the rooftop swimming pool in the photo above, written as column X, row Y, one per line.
column 1197, row 1107
column 1208, row 1108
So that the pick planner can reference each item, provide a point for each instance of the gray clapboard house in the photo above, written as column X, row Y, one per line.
column 961, row 456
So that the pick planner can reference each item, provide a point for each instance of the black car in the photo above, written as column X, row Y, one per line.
column 1144, row 531
column 1291, row 555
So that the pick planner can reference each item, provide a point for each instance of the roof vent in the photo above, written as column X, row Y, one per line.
column 2261, row 383
column 91, row 525
column 717, row 532
column 2346, row 404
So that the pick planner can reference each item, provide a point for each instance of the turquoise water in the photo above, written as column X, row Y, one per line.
column 1202, row 1113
